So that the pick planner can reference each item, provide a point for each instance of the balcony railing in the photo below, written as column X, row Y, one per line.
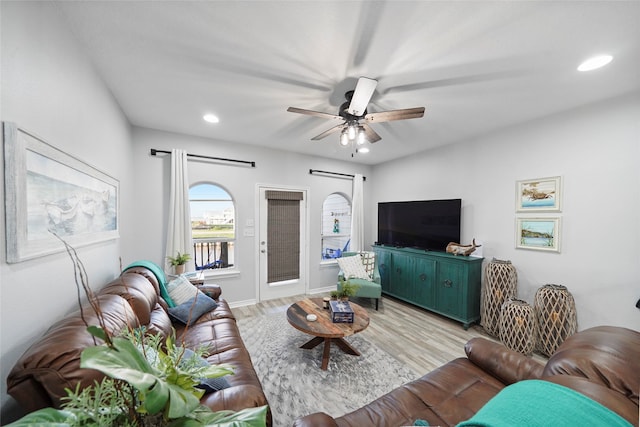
column 213, row 254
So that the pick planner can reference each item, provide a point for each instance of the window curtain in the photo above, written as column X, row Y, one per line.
column 357, row 215
column 179, row 224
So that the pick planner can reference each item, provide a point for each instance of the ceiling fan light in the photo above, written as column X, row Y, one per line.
column 351, row 130
column 362, row 150
column 362, row 136
column 344, row 138
column 595, row 62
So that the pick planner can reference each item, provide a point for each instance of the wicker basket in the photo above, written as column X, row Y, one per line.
column 518, row 326
column 556, row 317
column 500, row 284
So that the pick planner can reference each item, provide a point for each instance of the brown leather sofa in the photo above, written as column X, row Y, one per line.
column 50, row 365
column 602, row 363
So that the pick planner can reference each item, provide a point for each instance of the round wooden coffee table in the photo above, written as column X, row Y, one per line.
column 323, row 329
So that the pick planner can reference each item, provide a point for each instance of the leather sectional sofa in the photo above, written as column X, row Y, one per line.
column 601, row 363
column 50, row 365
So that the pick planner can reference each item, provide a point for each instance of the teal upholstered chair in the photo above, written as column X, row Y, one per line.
column 368, row 288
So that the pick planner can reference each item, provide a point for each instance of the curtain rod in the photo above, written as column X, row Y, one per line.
column 253, row 164
column 312, row 171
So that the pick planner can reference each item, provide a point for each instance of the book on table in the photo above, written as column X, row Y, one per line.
column 341, row 311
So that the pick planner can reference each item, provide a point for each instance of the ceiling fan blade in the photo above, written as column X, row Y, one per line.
column 328, row 132
column 314, row 113
column 388, row 116
column 362, row 95
column 454, row 81
column 371, row 134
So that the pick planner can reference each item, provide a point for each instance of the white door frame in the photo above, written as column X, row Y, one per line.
column 304, row 243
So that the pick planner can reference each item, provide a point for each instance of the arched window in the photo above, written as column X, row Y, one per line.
column 213, row 226
column 336, row 225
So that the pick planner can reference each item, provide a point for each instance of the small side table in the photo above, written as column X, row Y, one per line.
column 195, row 277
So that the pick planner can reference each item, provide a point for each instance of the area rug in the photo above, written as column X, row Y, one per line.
column 293, row 381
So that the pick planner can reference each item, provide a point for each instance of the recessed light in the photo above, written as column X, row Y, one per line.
column 363, row 150
column 595, row 62
column 211, row 118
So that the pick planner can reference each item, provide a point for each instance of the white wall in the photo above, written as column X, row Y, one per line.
column 596, row 150
column 273, row 167
column 50, row 89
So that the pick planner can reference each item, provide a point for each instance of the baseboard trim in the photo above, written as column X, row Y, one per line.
column 243, row 303
column 324, row 290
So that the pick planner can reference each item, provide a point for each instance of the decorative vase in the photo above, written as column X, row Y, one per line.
column 500, row 284
column 518, row 326
column 179, row 269
column 556, row 317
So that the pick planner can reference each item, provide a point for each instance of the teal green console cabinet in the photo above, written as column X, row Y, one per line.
column 437, row 281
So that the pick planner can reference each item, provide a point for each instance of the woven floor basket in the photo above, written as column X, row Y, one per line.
column 518, row 326
column 500, row 284
column 556, row 317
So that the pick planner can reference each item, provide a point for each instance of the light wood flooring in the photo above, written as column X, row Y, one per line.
column 417, row 337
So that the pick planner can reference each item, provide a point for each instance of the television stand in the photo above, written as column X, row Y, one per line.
column 437, row 281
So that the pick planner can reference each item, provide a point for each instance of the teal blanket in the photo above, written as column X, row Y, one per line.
column 536, row 403
column 162, row 280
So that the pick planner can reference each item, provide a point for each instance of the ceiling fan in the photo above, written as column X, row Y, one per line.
column 354, row 126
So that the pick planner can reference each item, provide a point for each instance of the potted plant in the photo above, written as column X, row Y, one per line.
column 347, row 289
column 178, row 262
column 149, row 381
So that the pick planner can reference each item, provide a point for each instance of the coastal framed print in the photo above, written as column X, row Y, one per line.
column 542, row 234
column 48, row 193
column 539, row 195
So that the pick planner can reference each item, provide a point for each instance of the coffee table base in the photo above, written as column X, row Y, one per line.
column 340, row 342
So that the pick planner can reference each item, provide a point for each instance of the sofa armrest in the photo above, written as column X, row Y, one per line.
column 213, row 291
column 319, row 419
column 610, row 398
column 507, row 365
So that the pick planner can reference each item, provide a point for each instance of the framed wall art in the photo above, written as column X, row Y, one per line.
column 48, row 191
column 541, row 234
column 539, row 195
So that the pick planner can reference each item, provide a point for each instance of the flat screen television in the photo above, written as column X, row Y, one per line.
column 422, row 224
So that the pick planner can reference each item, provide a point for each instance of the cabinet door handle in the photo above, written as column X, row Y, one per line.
column 447, row 283
column 399, row 270
column 423, row 277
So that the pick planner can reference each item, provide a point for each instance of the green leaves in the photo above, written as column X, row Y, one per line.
column 48, row 417
column 200, row 417
column 164, row 387
column 125, row 362
column 203, row 417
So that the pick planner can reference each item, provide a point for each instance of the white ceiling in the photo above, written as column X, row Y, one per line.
column 476, row 66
